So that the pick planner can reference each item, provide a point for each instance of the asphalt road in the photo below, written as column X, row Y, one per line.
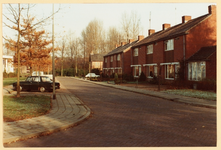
column 127, row 119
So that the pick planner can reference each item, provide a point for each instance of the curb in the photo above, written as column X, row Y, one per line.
column 57, row 118
column 175, row 98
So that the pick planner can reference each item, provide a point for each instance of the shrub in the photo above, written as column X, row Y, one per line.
column 5, row 75
column 116, row 80
column 127, row 77
column 142, row 77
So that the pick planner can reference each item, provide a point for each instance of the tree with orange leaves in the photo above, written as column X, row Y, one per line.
column 18, row 46
column 36, row 48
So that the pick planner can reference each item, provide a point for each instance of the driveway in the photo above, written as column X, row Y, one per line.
column 126, row 119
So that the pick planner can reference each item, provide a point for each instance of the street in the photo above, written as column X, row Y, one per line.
column 126, row 119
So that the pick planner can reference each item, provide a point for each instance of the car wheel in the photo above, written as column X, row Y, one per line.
column 42, row 89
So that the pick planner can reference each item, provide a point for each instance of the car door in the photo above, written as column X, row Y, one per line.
column 35, row 83
column 26, row 84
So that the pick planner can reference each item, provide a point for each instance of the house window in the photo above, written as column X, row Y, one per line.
column 118, row 57
column 150, row 49
column 105, row 59
column 111, row 58
column 155, row 70
column 177, row 67
column 119, row 71
column 169, row 45
column 169, row 71
column 151, row 71
column 137, row 71
column 196, row 71
column 172, row 71
column 136, row 52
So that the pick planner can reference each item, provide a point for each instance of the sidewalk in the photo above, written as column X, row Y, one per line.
column 67, row 110
column 171, row 97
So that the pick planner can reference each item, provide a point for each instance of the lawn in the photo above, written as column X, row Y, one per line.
column 9, row 81
column 25, row 107
column 193, row 93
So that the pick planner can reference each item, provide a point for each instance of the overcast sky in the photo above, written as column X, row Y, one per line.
column 75, row 17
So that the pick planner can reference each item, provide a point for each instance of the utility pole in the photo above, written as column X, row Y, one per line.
column 53, row 67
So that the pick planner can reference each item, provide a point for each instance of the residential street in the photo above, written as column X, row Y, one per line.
column 126, row 119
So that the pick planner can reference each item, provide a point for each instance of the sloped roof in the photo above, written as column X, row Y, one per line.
column 121, row 48
column 203, row 54
column 172, row 32
column 97, row 57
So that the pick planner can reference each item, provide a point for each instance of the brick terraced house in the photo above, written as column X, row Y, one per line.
column 119, row 60
column 186, row 42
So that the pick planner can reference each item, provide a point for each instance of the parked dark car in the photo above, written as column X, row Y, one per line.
column 37, row 83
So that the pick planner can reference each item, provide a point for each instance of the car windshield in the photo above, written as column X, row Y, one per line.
column 45, row 79
column 28, row 79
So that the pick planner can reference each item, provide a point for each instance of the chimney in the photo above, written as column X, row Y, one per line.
column 185, row 19
column 140, row 37
column 116, row 45
column 131, row 40
column 123, row 43
column 212, row 9
column 166, row 26
column 151, row 31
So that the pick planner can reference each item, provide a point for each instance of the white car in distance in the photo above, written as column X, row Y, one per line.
column 92, row 75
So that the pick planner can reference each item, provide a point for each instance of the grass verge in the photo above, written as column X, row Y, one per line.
column 9, row 81
column 193, row 93
column 25, row 107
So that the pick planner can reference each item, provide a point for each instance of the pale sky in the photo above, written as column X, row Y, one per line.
column 75, row 17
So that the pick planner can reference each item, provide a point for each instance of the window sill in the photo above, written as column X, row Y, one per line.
column 169, row 50
column 169, row 78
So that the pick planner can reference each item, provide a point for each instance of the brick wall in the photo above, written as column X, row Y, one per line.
column 127, row 62
column 204, row 34
column 211, row 67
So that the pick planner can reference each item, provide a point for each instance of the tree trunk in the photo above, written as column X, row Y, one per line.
column 62, row 67
column 76, row 67
column 18, row 53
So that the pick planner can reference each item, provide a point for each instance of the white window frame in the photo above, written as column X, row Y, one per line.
column 150, row 49
column 118, row 57
column 167, row 71
column 135, row 52
column 196, row 71
column 111, row 58
column 150, row 68
column 169, row 45
column 135, row 71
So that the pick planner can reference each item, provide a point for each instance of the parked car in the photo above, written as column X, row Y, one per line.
column 93, row 75
column 37, row 83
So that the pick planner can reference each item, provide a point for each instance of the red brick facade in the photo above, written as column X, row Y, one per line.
column 186, row 38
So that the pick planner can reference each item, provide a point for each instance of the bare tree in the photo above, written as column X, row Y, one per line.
column 126, row 24
column 130, row 25
column 113, row 37
column 62, row 53
column 94, row 35
column 75, row 47
column 135, row 25
column 83, row 45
